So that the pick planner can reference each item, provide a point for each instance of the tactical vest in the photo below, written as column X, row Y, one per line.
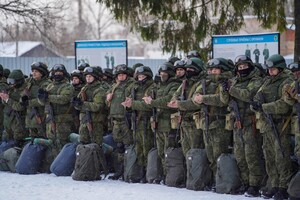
column 116, row 108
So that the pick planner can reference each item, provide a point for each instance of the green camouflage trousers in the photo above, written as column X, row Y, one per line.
column 60, row 136
column 278, row 165
column 162, row 142
column 297, row 144
column 143, row 143
column 217, row 143
column 191, row 138
column 38, row 132
column 121, row 132
column 248, row 154
column 97, row 133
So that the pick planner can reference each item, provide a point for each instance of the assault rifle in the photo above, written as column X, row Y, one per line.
column 36, row 114
column 154, row 118
column 50, row 118
column 180, row 114
column 233, row 105
column 205, row 109
column 269, row 118
column 297, row 104
column 87, row 119
column 134, row 113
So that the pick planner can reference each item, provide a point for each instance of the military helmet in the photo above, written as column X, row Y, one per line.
column 1, row 70
column 168, row 68
column 41, row 67
column 78, row 74
column 144, row 70
column 136, row 65
column 242, row 59
column 218, row 63
column 194, row 63
column 98, row 70
column 6, row 72
column 82, row 66
column 179, row 64
column 121, row 69
column 172, row 60
column 59, row 68
column 277, row 61
column 108, row 72
column 93, row 71
column 15, row 77
column 294, row 67
column 193, row 54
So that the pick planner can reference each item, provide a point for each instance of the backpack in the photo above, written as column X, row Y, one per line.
column 154, row 166
column 199, row 173
column 9, row 158
column 294, row 186
column 227, row 177
column 132, row 171
column 175, row 167
column 4, row 145
column 30, row 159
column 63, row 164
column 87, row 164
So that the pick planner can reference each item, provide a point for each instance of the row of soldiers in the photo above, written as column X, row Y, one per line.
column 214, row 106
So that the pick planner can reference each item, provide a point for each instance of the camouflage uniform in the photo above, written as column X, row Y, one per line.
column 247, row 141
column 3, row 86
column 15, row 112
column 93, row 101
column 60, row 93
column 278, row 164
column 165, row 136
column 190, row 136
column 216, row 138
column 143, row 137
column 35, row 114
column 122, row 134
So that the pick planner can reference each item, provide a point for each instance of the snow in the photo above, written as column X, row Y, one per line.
column 48, row 186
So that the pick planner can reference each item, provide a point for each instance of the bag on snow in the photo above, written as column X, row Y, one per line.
column 30, row 159
column 9, row 158
column 89, row 159
column 199, row 173
column 227, row 177
column 154, row 166
column 63, row 164
column 294, row 186
column 132, row 171
column 4, row 145
column 175, row 167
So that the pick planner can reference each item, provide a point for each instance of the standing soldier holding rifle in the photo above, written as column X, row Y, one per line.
column 165, row 136
column 56, row 98
column 273, row 121
column 194, row 71
column 90, row 102
column 142, row 134
column 14, row 111
column 35, row 117
column 247, row 143
column 121, row 120
column 216, row 138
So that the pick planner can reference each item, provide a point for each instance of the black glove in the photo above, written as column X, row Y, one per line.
column 256, row 105
column 42, row 94
column 24, row 100
column 76, row 101
column 225, row 86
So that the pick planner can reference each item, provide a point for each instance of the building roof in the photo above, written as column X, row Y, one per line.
column 8, row 49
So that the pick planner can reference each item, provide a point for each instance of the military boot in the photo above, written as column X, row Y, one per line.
column 281, row 194
column 269, row 193
column 253, row 191
column 118, row 174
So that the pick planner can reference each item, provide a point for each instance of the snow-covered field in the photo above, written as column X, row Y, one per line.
column 50, row 187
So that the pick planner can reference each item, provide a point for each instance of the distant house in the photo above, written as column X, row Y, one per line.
column 26, row 49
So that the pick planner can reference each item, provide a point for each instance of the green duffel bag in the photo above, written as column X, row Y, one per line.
column 9, row 158
column 294, row 186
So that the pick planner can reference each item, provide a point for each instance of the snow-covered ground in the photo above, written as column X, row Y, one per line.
column 50, row 187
